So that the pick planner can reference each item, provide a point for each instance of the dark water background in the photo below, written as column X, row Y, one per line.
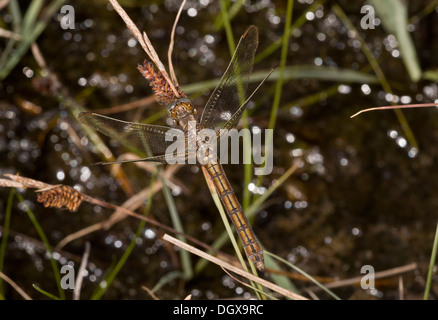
column 364, row 196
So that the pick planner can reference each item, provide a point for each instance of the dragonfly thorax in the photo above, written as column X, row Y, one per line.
column 181, row 111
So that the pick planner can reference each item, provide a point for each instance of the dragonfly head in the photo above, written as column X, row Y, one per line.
column 181, row 109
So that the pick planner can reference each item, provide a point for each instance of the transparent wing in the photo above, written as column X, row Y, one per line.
column 147, row 138
column 226, row 100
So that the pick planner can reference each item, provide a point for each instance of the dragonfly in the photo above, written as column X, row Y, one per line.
column 222, row 111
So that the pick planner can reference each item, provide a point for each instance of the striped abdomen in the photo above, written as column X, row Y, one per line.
column 234, row 210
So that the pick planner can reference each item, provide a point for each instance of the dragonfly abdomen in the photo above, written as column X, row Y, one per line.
column 234, row 210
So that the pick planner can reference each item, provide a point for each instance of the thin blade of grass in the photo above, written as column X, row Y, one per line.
column 394, row 17
column 255, row 207
column 379, row 73
column 176, row 221
column 312, row 98
column 16, row 287
column 232, row 11
column 431, row 75
column 224, row 219
column 279, row 279
column 251, row 211
column 120, row 263
column 46, row 293
column 407, row 106
column 247, row 167
column 31, row 15
column 29, row 38
column 280, row 81
column 166, row 279
column 234, row 269
column 257, row 204
column 306, row 275
column 227, row 26
column 5, row 233
column 297, row 24
column 228, row 228
column 14, row 10
column 49, row 249
column 295, row 72
column 112, row 275
column 431, row 265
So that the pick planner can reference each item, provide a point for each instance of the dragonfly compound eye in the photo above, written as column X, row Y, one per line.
column 181, row 109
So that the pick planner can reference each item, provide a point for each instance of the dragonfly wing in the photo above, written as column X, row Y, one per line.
column 146, row 138
column 228, row 96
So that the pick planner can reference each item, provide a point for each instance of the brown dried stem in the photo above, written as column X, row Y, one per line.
column 15, row 286
column 171, row 44
column 61, row 196
column 232, row 268
column 378, row 275
column 145, row 44
column 402, row 106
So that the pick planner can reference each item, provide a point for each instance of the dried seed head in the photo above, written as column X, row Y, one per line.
column 158, row 83
column 60, row 196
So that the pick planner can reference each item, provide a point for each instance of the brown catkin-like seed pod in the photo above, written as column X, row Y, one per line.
column 60, row 196
column 158, row 83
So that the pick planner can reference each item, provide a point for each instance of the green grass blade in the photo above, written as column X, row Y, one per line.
column 255, row 207
column 46, row 293
column 166, row 279
column 279, row 279
column 112, row 275
column 14, row 10
column 49, row 249
column 229, row 232
column 252, row 210
column 228, row 229
column 218, row 243
column 279, row 85
column 306, row 275
column 431, row 265
column 29, row 38
column 247, row 167
column 295, row 72
column 379, row 73
column 5, row 234
column 296, row 25
column 431, row 75
column 258, row 204
column 233, row 10
column 227, row 26
column 394, row 17
column 176, row 221
column 313, row 98
column 31, row 15
column 281, row 68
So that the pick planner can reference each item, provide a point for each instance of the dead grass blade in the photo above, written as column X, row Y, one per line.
column 150, row 292
column 401, row 106
column 234, row 269
column 80, row 276
column 172, row 38
column 71, row 199
column 145, row 44
column 15, row 286
column 378, row 275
